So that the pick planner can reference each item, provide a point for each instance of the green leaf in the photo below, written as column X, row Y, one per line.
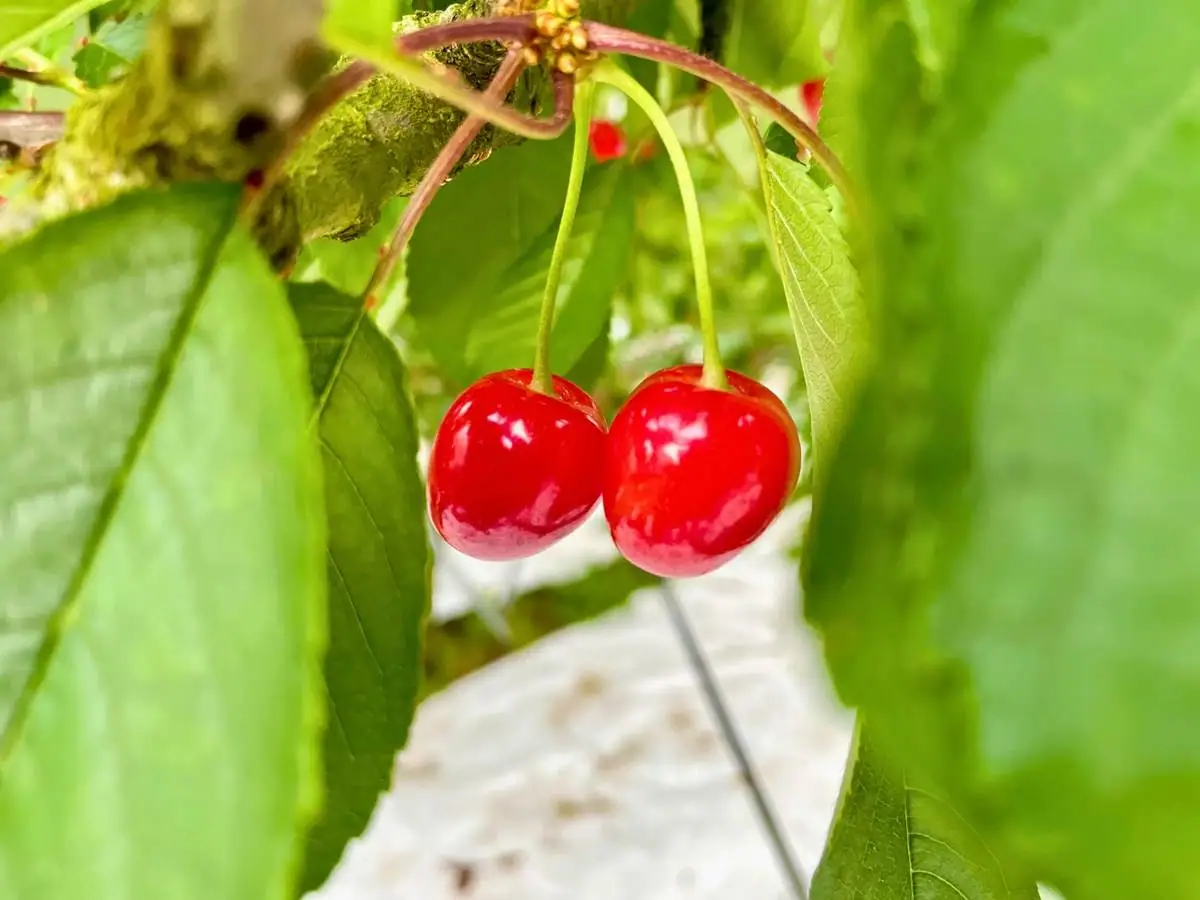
column 112, row 49
column 96, row 65
column 937, row 25
column 347, row 265
column 773, row 42
column 822, row 293
column 26, row 21
column 369, row 21
column 1001, row 560
column 502, row 334
column 482, row 222
column 378, row 561
column 161, row 538
column 651, row 19
column 483, row 316
column 895, row 841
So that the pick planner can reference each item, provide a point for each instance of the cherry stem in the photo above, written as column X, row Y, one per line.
column 610, row 39
column 435, row 176
column 607, row 73
column 542, row 375
column 607, row 38
column 512, row 29
column 28, row 75
column 43, row 71
column 447, row 85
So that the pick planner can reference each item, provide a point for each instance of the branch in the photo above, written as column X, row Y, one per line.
column 29, row 130
column 28, row 75
column 198, row 106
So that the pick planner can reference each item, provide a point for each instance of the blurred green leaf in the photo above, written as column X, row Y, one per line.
column 367, row 21
column 893, row 841
column 25, row 22
column 483, row 220
column 113, row 47
column 96, row 65
column 937, row 25
column 780, row 142
column 822, row 292
column 161, row 538
column 1002, row 559
column 502, row 332
column 378, row 560
column 117, row 11
column 347, row 265
column 593, row 362
column 773, row 42
column 480, row 225
column 652, row 18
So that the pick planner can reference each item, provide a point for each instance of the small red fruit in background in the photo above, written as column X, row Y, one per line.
column 607, row 140
column 645, row 150
column 513, row 470
column 694, row 474
column 811, row 95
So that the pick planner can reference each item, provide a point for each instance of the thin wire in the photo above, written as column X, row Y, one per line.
column 792, row 871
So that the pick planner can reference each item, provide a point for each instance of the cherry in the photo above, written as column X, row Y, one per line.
column 607, row 140
column 513, row 470
column 694, row 474
column 811, row 95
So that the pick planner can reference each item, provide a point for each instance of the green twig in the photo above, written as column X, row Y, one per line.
column 542, row 374
column 46, row 72
column 606, row 73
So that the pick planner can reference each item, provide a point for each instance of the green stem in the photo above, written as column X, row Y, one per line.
column 607, row 73
column 50, row 73
column 542, row 375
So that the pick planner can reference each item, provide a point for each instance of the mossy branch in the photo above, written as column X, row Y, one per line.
column 195, row 108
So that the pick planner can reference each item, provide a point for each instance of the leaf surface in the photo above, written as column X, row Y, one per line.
column 1003, row 562
column 378, row 560
column 488, row 320
column 822, row 293
column 775, row 43
column 161, row 542
column 22, row 22
column 892, row 840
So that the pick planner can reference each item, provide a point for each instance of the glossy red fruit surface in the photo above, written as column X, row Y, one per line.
column 693, row 474
column 811, row 95
column 513, row 470
column 607, row 140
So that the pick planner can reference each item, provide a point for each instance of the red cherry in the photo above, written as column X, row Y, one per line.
column 811, row 94
column 607, row 140
column 513, row 470
column 694, row 474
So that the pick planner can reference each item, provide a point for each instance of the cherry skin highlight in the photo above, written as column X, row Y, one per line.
column 513, row 470
column 694, row 474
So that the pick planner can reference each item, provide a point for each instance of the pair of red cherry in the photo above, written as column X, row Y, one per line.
column 689, row 474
